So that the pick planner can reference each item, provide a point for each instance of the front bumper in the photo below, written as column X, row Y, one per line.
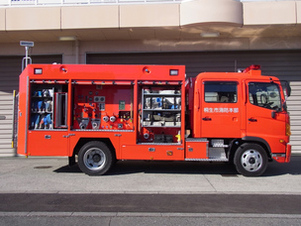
column 283, row 157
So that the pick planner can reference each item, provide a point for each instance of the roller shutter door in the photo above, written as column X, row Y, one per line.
column 294, row 107
column 283, row 64
column 10, row 69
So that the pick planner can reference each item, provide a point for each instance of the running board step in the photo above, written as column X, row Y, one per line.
column 217, row 153
column 207, row 160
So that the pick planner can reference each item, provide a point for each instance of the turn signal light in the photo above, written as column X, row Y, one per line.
column 288, row 130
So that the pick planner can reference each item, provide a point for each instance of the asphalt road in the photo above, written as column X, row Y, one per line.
column 152, row 203
column 149, row 209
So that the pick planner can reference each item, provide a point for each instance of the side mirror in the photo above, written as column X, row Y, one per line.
column 288, row 90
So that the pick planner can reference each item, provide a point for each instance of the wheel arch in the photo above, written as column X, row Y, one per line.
column 236, row 143
column 82, row 141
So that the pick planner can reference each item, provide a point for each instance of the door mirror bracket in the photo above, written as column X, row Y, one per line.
column 273, row 114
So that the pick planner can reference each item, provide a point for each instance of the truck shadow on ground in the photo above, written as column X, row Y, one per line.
column 165, row 167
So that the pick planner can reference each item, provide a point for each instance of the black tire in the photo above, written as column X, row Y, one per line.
column 250, row 160
column 95, row 158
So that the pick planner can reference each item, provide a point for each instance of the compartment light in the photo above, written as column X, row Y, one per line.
column 38, row 71
column 173, row 72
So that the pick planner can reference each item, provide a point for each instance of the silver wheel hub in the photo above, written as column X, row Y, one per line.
column 251, row 160
column 94, row 159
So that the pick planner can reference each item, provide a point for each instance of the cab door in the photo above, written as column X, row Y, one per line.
column 220, row 112
column 265, row 119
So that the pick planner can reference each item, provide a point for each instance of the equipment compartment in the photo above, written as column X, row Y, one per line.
column 161, row 107
column 160, row 118
column 107, row 106
column 44, row 104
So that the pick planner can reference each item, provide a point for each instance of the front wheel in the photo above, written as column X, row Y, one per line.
column 95, row 158
column 250, row 160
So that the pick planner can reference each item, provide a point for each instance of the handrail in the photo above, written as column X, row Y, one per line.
column 14, row 3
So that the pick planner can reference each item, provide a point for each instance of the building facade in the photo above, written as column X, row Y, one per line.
column 204, row 35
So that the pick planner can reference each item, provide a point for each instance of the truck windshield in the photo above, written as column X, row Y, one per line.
column 266, row 95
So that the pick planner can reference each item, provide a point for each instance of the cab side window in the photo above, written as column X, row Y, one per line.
column 265, row 95
column 220, row 92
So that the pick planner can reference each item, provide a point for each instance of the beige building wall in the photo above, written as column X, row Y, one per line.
column 298, row 11
column 149, row 28
column 36, row 18
column 208, row 11
column 2, row 19
column 120, row 16
column 149, row 15
column 86, row 17
column 274, row 12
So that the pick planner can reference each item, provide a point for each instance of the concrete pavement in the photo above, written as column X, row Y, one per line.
column 52, row 175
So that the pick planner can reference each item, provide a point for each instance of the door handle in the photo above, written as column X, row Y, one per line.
column 69, row 135
column 199, row 99
column 252, row 119
column 207, row 119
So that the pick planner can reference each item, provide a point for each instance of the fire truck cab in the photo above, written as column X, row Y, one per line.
column 104, row 113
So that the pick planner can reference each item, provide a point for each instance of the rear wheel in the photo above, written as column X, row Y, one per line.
column 250, row 160
column 95, row 158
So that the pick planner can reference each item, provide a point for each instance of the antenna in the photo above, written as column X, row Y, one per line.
column 26, row 60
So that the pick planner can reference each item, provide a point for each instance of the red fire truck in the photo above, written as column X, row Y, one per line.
column 97, row 114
